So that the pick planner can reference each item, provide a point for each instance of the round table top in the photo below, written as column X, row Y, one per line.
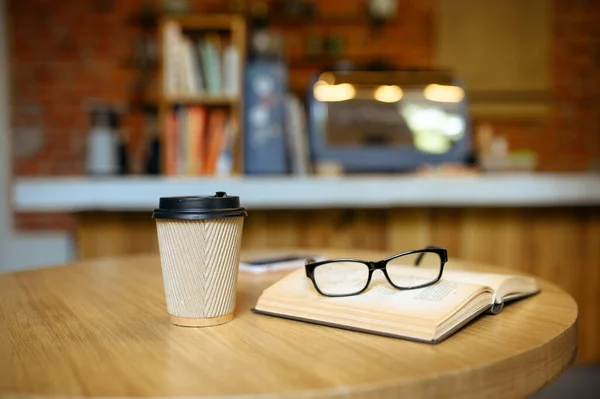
column 100, row 329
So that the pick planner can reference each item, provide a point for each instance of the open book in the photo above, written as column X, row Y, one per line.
column 428, row 314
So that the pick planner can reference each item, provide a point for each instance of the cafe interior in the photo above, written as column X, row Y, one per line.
column 376, row 125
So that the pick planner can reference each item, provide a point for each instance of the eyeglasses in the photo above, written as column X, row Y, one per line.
column 405, row 271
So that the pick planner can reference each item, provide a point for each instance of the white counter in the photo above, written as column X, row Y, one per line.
column 142, row 193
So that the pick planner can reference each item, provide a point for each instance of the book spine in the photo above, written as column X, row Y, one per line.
column 196, row 133
column 201, row 80
column 189, row 66
column 215, row 140
column 296, row 136
column 224, row 166
column 182, row 69
column 182, row 129
column 192, row 140
column 231, row 70
column 171, row 36
column 171, row 145
column 211, row 64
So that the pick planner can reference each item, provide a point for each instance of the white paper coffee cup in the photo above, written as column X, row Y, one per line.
column 199, row 242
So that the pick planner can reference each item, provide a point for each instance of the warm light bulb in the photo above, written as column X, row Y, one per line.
column 327, row 78
column 444, row 93
column 388, row 94
column 332, row 93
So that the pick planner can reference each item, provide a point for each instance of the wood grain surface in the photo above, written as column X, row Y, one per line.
column 100, row 329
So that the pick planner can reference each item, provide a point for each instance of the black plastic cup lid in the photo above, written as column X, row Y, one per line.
column 217, row 206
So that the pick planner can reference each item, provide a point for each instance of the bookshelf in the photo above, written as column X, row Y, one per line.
column 194, row 88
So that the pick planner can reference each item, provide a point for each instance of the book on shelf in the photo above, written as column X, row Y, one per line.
column 171, row 38
column 224, row 165
column 190, row 71
column 428, row 314
column 214, row 141
column 208, row 65
column 170, row 143
column 231, row 70
column 210, row 52
column 181, row 117
column 297, row 136
column 198, row 141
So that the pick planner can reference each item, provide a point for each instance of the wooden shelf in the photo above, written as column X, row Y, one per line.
column 194, row 26
column 204, row 100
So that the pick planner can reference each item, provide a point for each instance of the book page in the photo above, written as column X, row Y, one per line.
column 425, row 306
column 492, row 280
column 502, row 284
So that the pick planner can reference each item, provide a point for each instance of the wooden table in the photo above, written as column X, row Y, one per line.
column 100, row 329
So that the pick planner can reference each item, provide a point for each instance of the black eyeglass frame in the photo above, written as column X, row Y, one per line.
column 310, row 267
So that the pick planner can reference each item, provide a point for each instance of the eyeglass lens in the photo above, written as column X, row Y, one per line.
column 414, row 270
column 341, row 278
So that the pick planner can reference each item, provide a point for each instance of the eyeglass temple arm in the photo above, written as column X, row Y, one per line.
column 422, row 254
column 307, row 262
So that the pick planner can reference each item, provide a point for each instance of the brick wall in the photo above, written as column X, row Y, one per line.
column 64, row 53
column 573, row 138
column 569, row 138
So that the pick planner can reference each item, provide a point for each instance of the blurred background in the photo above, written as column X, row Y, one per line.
column 375, row 124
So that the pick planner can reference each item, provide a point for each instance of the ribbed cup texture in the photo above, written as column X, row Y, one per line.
column 200, row 261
